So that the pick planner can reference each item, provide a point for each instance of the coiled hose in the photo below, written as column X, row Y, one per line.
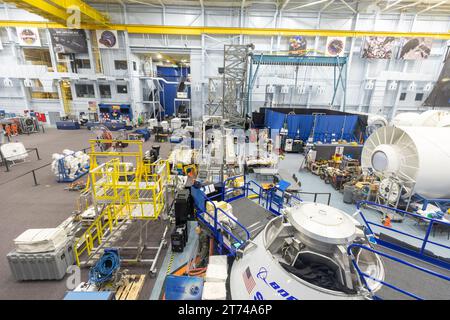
column 105, row 267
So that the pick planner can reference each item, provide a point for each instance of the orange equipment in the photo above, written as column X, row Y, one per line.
column 8, row 130
column 387, row 221
column 14, row 129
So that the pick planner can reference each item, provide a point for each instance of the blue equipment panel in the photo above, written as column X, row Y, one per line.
column 183, row 288
column 112, row 126
column 174, row 139
column 283, row 185
column 116, row 111
column 67, row 125
column 89, row 295
column 145, row 132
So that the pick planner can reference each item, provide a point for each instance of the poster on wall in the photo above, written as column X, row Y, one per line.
column 298, row 46
column 378, row 47
column 92, row 106
column 28, row 37
column 335, row 46
column 415, row 48
column 69, row 41
column 107, row 39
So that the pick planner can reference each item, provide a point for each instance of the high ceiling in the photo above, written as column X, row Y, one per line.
column 441, row 7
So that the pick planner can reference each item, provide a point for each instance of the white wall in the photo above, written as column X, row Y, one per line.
column 207, row 54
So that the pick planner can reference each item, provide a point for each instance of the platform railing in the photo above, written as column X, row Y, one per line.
column 259, row 192
column 364, row 276
column 228, row 190
column 201, row 199
column 98, row 231
column 265, row 199
column 424, row 242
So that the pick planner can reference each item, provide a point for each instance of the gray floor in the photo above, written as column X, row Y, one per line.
column 25, row 206
column 426, row 286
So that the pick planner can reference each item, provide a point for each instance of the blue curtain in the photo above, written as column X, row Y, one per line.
column 300, row 125
column 327, row 126
column 349, row 128
column 274, row 120
column 335, row 127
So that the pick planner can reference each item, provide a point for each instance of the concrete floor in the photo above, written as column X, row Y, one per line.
column 25, row 206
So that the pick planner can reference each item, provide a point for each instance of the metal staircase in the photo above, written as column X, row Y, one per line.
column 126, row 197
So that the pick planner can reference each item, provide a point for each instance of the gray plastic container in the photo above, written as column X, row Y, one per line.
column 348, row 193
column 42, row 266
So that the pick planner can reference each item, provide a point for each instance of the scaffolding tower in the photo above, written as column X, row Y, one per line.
column 235, row 64
column 215, row 96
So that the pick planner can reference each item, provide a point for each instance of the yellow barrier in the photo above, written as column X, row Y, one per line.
column 93, row 236
column 128, row 191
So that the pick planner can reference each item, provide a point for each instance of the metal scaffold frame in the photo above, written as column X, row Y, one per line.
column 215, row 96
column 339, row 65
column 126, row 192
column 235, row 64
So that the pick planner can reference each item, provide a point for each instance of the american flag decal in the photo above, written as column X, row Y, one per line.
column 248, row 280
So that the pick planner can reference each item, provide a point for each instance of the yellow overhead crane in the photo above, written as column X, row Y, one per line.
column 198, row 31
column 60, row 11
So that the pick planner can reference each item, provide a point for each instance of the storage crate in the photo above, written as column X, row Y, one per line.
column 42, row 266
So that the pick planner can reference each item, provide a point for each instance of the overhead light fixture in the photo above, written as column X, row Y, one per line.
column 301, row 89
column 412, row 87
column 393, row 85
column 320, row 90
column 369, row 85
column 28, row 83
column 159, row 56
column 428, row 87
column 7, row 83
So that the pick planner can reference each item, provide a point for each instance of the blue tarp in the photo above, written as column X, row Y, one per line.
column 274, row 120
column 300, row 126
column 199, row 198
column 174, row 75
column 335, row 127
column 327, row 126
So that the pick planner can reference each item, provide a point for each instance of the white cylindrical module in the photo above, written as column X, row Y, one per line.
column 413, row 154
column 406, row 119
column 431, row 118
column 445, row 121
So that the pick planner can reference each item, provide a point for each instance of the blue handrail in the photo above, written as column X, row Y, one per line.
column 215, row 228
column 223, row 228
column 364, row 275
column 421, row 254
column 259, row 194
column 246, row 188
column 230, row 190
